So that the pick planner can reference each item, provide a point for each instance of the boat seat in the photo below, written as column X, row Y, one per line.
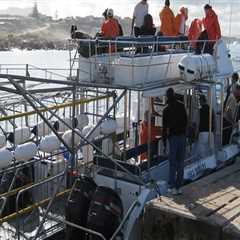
column 138, row 150
column 134, row 169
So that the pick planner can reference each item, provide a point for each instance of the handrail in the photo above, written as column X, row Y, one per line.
column 49, row 204
column 60, row 106
column 4, row 199
column 30, row 208
column 137, row 42
column 130, row 210
column 77, row 226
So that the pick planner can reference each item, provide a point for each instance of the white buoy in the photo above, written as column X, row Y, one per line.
column 108, row 126
column 83, row 121
column 2, row 141
column 6, row 158
column 20, row 135
column 25, row 152
column 63, row 127
column 68, row 137
column 41, row 129
column 86, row 130
column 49, row 144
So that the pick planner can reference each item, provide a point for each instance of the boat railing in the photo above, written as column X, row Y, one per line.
column 56, row 182
column 29, row 70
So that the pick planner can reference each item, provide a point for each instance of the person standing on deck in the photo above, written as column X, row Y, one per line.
column 167, row 20
column 144, row 134
column 231, row 113
column 180, row 21
column 140, row 10
column 119, row 25
column 211, row 24
column 195, row 31
column 110, row 28
column 211, row 33
column 174, row 129
column 235, row 79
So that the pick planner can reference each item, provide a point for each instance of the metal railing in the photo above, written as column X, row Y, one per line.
column 98, row 66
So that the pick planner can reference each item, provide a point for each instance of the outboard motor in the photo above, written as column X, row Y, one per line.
column 105, row 213
column 77, row 207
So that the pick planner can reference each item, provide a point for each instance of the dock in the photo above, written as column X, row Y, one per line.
column 209, row 209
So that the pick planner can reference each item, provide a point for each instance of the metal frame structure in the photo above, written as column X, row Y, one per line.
column 47, row 99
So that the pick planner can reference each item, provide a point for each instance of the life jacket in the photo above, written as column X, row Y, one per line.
column 181, row 16
column 195, row 31
column 110, row 29
column 167, row 22
column 212, row 26
column 155, row 131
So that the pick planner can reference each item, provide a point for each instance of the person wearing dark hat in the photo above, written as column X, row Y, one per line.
column 167, row 19
column 174, row 124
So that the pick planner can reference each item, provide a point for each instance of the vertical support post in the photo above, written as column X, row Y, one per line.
column 125, row 125
column 222, row 111
column 24, row 86
column 210, row 117
column 149, row 140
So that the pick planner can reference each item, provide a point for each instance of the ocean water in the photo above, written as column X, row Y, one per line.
column 58, row 59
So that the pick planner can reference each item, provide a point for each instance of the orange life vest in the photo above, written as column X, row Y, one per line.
column 167, row 22
column 155, row 131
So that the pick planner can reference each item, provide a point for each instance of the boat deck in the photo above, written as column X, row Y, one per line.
column 208, row 209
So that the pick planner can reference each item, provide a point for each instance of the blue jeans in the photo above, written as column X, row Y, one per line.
column 177, row 145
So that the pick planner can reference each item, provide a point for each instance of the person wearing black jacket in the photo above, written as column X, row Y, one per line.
column 174, row 129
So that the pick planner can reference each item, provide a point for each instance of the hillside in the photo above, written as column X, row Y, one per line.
column 44, row 32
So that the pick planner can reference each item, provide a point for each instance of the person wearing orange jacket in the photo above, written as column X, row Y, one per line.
column 195, row 31
column 180, row 21
column 167, row 20
column 144, row 130
column 211, row 24
column 110, row 27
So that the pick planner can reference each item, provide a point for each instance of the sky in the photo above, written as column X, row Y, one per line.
column 124, row 8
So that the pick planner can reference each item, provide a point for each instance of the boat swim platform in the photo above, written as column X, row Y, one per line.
column 209, row 209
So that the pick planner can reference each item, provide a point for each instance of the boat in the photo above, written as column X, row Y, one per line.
column 70, row 153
